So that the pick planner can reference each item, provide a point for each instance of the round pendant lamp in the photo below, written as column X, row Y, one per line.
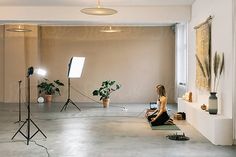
column 98, row 10
column 20, row 28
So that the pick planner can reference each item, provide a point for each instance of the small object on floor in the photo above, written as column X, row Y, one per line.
column 180, row 116
column 124, row 109
column 153, row 105
column 177, row 137
column 40, row 99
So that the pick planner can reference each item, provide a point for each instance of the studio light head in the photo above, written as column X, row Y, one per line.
column 75, row 70
column 30, row 71
column 41, row 72
column 28, row 121
column 38, row 71
column 76, row 67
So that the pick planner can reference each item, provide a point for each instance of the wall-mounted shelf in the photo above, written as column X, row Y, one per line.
column 216, row 128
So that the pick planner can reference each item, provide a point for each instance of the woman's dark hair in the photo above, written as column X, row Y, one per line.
column 161, row 90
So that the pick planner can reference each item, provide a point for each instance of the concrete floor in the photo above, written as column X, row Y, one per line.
column 99, row 132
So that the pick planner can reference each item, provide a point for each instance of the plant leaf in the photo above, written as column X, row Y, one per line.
column 216, row 64
column 112, row 82
column 222, row 63
column 200, row 65
column 59, row 83
column 207, row 68
column 95, row 93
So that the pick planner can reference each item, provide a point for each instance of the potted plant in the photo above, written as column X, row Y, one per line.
column 49, row 88
column 105, row 91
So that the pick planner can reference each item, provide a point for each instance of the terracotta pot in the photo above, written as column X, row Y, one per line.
column 105, row 103
column 48, row 98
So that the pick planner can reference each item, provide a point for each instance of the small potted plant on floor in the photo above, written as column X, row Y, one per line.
column 49, row 88
column 105, row 91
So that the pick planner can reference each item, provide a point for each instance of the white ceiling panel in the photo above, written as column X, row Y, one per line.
column 93, row 2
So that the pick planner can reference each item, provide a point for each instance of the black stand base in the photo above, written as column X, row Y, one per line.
column 66, row 104
column 28, row 137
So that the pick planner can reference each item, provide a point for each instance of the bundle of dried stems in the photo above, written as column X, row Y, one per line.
column 218, row 66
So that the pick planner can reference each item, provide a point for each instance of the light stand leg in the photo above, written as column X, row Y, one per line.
column 19, row 121
column 28, row 120
column 68, row 99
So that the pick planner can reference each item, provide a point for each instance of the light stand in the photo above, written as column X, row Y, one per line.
column 75, row 70
column 68, row 99
column 19, row 121
column 28, row 120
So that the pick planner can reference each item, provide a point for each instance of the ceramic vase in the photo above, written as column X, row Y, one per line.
column 213, row 103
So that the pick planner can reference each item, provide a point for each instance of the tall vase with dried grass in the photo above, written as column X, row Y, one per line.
column 218, row 66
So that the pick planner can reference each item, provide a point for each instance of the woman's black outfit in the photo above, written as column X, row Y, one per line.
column 160, row 120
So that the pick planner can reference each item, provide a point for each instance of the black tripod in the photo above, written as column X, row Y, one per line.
column 19, row 121
column 28, row 120
column 68, row 99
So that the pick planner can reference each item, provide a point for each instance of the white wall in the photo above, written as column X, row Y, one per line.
column 234, row 90
column 222, row 34
column 1, row 62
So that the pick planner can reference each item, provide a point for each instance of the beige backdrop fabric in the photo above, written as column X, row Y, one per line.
column 203, row 39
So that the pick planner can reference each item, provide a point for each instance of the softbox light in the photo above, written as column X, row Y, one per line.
column 76, row 67
column 75, row 70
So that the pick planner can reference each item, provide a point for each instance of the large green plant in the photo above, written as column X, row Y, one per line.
column 106, row 89
column 50, row 88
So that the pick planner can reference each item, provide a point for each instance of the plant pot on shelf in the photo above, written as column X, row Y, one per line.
column 48, row 98
column 105, row 102
column 213, row 103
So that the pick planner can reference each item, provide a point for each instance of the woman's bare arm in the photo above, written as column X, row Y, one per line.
column 162, row 107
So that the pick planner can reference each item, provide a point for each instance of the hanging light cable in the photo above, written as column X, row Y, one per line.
column 98, row 10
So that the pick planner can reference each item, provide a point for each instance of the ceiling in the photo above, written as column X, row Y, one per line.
column 93, row 2
column 67, row 12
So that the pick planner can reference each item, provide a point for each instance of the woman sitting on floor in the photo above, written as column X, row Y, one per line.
column 159, row 117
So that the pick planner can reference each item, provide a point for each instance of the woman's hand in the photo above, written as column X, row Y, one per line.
column 153, row 119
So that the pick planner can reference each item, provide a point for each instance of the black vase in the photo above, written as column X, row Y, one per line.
column 213, row 103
